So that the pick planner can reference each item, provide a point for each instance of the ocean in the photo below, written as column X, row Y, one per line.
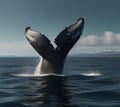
column 86, row 82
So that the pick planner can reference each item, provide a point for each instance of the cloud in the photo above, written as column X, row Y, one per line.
column 12, row 45
column 95, row 44
column 89, row 44
column 108, row 39
column 16, row 48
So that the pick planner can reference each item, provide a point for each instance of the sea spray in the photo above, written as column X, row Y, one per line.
column 37, row 69
column 92, row 73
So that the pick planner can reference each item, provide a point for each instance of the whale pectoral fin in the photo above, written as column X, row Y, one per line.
column 68, row 37
column 40, row 43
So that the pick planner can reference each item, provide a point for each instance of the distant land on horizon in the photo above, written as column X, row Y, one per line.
column 100, row 54
column 15, row 56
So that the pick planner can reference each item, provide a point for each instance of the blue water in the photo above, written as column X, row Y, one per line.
column 87, row 82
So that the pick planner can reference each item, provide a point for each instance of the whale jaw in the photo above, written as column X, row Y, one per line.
column 53, row 58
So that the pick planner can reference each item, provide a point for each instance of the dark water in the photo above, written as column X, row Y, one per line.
column 92, row 82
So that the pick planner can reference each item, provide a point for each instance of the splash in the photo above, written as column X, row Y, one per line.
column 23, row 75
column 96, row 73
column 33, row 75
column 37, row 69
column 36, row 72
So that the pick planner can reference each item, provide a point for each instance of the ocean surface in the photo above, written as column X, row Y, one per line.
column 86, row 82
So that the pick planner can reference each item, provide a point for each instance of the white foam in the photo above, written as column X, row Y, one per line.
column 33, row 75
column 23, row 75
column 92, row 74
column 38, row 67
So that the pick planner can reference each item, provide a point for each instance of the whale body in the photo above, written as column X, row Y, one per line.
column 53, row 59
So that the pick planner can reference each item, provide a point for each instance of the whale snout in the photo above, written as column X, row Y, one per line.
column 32, row 36
column 78, row 26
column 26, row 29
column 80, row 19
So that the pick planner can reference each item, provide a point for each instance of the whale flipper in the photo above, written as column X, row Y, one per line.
column 40, row 43
column 69, row 36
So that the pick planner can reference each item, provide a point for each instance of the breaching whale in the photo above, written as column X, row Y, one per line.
column 53, row 59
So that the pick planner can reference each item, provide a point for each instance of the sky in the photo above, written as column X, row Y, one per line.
column 101, row 30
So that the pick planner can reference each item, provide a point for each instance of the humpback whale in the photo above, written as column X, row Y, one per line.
column 53, row 59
